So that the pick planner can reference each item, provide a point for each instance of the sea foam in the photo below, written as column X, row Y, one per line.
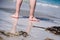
column 48, row 5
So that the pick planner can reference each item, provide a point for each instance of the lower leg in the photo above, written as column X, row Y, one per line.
column 32, row 10
column 32, row 7
column 18, row 5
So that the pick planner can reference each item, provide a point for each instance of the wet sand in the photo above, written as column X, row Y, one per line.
column 6, row 23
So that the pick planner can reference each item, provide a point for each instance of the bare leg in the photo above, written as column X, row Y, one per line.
column 18, row 5
column 32, row 10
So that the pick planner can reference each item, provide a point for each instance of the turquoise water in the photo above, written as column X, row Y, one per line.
column 54, row 2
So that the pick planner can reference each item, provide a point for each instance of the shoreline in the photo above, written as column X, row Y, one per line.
column 41, row 11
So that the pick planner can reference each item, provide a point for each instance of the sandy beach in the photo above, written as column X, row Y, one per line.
column 6, row 23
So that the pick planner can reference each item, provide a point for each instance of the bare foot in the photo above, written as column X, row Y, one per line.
column 14, row 16
column 33, row 19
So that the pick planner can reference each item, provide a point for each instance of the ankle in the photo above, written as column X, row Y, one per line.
column 31, row 17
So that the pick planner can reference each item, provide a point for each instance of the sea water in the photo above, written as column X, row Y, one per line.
column 54, row 2
column 51, row 3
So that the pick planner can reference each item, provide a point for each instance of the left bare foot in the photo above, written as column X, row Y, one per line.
column 33, row 19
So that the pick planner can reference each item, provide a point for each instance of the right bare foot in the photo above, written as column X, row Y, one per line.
column 14, row 16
